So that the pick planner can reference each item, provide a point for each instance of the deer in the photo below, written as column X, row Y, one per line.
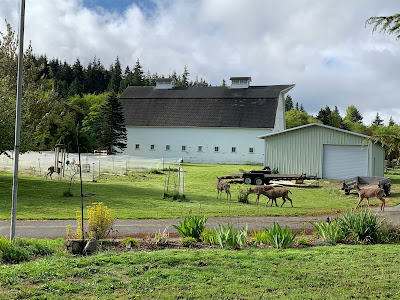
column 51, row 171
column 277, row 193
column 370, row 193
column 223, row 186
column 258, row 191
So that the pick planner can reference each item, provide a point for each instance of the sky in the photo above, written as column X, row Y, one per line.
column 323, row 47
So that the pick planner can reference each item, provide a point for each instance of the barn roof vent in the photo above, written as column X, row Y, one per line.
column 240, row 82
column 165, row 83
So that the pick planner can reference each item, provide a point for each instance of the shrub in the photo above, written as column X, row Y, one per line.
column 155, row 171
column 67, row 194
column 4, row 242
column 192, row 226
column 130, row 243
column 242, row 195
column 280, row 238
column 330, row 231
column 303, row 241
column 15, row 254
column 100, row 220
column 361, row 226
column 227, row 238
column 209, row 236
column 260, row 236
column 176, row 196
column 188, row 242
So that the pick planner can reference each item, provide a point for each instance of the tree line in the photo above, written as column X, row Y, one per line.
column 59, row 99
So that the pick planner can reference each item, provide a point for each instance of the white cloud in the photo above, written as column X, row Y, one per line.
column 321, row 46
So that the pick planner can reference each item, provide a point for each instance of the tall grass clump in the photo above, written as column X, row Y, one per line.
column 330, row 231
column 260, row 237
column 209, row 236
column 280, row 238
column 361, row 226
column 191, row 226
column 228, row 238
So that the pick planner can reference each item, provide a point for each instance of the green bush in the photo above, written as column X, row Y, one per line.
column 242, row 195
column 4, row 242
column 303, row 241
column 389, row 234
column 192, row 226
column 361, row 226
column 188, row 242
column 260, row 237
column 130, row 243
column 227, row 238
column 280, row 238
column 330, row 231
column 155, row 171
column 100, row 220
column 15, row 254
column 209, row 236
column 176, row 196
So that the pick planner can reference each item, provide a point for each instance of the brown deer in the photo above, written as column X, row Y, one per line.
column 258, row 191
column 223, row 186
column 51, row 171
column 370, row 193
column 277, row 193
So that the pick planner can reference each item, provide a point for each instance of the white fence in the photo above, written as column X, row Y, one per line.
column 37, row 163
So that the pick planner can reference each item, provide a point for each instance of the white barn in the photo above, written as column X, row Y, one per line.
column 203, row 124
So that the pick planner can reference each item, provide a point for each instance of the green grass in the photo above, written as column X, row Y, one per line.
column 339, row 272
column 140, row 195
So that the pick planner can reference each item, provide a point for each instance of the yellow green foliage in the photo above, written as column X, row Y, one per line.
column 100, row 220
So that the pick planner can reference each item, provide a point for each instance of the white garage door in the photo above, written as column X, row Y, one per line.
column 341, row 162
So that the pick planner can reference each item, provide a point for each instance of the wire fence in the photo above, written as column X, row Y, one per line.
column 38, row 164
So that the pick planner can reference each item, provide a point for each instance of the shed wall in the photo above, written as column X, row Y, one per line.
column 300, row 151
column 378, row 160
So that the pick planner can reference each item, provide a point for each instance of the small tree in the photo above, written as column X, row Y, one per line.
column 377, row 121
column 112, row 124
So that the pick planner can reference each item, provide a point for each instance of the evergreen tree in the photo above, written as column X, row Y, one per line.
column 138, row 79
column 77, row 87
column 116, row 77
column 223, row 82
column 391, row 122
column 353, row 115
column 288, row 103
column 113, row 131
column 297, row 105
column 377, row 121
column 302, row 107
column 335, row 120
column 185, row 77
column 324, row 115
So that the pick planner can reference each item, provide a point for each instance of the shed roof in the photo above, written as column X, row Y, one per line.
column 310, row 125
column 253, row 107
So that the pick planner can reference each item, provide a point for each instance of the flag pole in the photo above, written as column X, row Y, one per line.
column 17, row 121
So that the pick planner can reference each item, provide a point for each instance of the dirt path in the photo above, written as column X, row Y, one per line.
column 141, row 228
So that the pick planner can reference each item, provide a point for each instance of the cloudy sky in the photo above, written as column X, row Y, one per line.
column 321, row 46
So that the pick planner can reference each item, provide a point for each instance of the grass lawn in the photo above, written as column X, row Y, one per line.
column 339, row 272
column 140, row 195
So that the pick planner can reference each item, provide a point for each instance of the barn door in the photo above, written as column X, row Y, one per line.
column 343, row 161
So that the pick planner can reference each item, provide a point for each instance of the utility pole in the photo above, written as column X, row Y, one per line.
column 17, row 121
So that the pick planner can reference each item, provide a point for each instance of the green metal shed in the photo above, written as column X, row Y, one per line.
column 323, row 151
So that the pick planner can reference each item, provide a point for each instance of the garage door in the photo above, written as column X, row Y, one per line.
column 341, row 162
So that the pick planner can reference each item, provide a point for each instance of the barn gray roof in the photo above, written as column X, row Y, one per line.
column 253, row 107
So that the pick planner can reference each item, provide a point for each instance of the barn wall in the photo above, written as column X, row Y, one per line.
column 300, row 151
column 192, row 137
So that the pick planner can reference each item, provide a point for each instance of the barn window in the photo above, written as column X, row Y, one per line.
column 216, row 149
column 251, row 150
column 137, row 147
column 233, row 149
column 183, row 148
column 200, row 148
column 152, row 147
column 167, row 147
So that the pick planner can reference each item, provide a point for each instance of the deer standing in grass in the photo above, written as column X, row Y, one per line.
column 223, row 186
column 278, row 193
column 370, row 193
column 258, row 190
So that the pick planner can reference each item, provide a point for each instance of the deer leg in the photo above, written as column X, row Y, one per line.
column 267, row 202
column 368, row 202
column 276, row 204
column 359, row 201
column 383, row 203
column 290, row 201
column 284, row 200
